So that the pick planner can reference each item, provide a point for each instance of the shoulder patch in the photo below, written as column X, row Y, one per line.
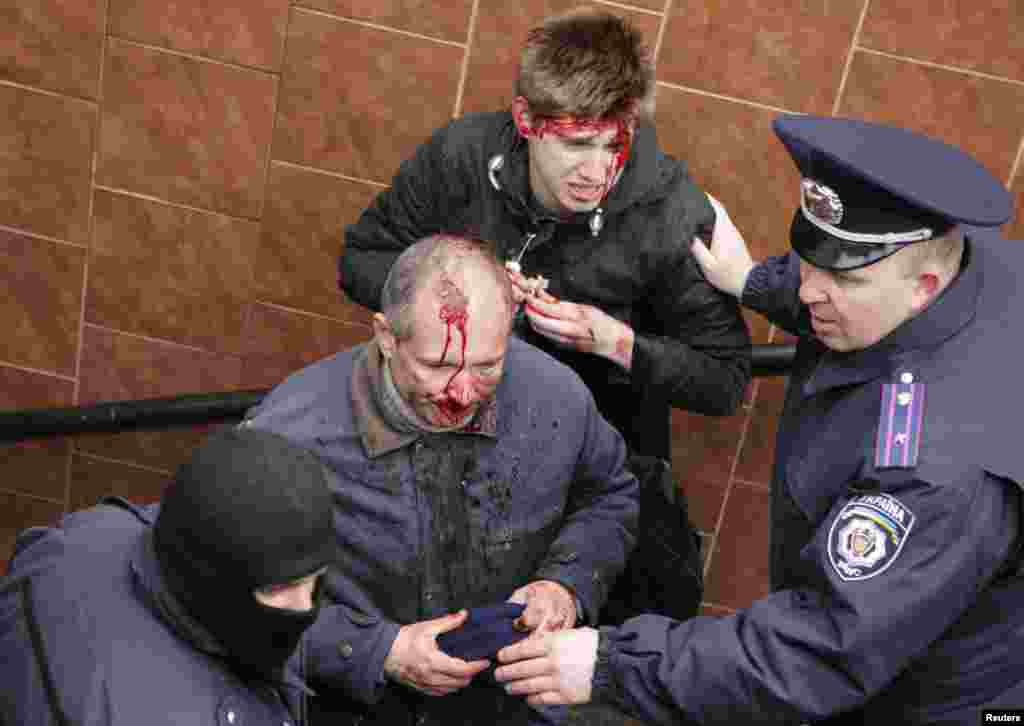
column 867, row 535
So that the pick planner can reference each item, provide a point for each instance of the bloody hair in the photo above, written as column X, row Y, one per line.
column 422, row 261
column 588, row 64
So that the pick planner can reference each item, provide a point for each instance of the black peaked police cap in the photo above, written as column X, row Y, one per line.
column 869, row 189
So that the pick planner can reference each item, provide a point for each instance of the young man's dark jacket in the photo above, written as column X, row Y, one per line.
column 631, row 258
column 91, row 635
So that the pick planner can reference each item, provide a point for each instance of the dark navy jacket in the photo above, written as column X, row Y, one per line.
column 82, row 641
column 896, row 596
column 535, row 487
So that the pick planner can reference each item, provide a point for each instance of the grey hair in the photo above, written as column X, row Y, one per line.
column 435, row 254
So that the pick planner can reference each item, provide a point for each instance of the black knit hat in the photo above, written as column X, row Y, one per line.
column 250, row 509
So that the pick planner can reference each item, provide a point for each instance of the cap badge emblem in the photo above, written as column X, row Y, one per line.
column 822, row 202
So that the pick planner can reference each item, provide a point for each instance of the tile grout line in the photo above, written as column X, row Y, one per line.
column 123, row 462
column 728, row 491
column 176, row 205
column 722, row 97
column 161, row 341
column 38, row 372
column 942, row 67
column 308, row 313
column 1016, row 165
column 191, row 56
column 278, row 86
column 33, row 497
column 662, row 30
column 464, row 71
column 375, row 26
column 854, row 45
column 328, row 172
column 46, row 92
column 45, row 238
column 632, row 8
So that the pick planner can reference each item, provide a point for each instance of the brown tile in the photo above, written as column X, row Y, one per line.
column 501, row 30
column 42, row 302
column 758, row 452
column 771, row 394
column 53, row 45
column 247, row 32
column 448, row 20
column 19, row 513
column 346, row 86
column 759, row 326
column 980, row 115
column 734, row 155
column 739, row 564
column 185, row 130
column 704, row 502
column 163, row 449
column 303, row 232
column 704, row 447
column 46, row 144
column 789, row 53
column 981, row 38
column 35, row 466
column 281, row 341
column 92, row 479
column 118, row 367
column 169, row 272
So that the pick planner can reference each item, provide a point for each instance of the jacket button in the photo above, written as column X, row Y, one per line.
column 232, row 716
column 346, row 650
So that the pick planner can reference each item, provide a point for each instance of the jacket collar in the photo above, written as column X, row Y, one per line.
column 377, row 435
column 909, row 344
column 153, row 590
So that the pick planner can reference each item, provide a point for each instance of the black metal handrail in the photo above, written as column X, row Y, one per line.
column 160, row 413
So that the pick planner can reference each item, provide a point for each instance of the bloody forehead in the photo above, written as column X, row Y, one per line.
column 567, row 125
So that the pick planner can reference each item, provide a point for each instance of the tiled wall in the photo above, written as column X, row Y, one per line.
column 174, row 178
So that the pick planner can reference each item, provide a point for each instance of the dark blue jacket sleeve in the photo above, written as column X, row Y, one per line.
column 773, row 288
column 801, row 655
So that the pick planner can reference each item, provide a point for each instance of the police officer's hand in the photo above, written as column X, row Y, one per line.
column 582, row 327
column 727, row 263
column 549, row 606
column 552, row 668
column 417, row 662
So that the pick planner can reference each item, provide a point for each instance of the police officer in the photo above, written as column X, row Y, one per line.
column 895, row 541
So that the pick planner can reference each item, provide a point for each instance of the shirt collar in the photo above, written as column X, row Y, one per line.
column 377, row 435
column 909, row 343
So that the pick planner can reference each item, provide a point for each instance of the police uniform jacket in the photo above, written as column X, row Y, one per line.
column 535, row 487
column 84, row 641
column 895, row 530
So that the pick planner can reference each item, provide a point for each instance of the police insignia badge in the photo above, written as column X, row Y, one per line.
column 867, row 535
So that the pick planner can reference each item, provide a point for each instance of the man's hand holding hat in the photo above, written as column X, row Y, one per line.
column 416, row 660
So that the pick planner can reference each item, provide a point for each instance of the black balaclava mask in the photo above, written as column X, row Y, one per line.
column 249, row 510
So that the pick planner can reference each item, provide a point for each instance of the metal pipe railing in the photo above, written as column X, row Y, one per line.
column 160, row 413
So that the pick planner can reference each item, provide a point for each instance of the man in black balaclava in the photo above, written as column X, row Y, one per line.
column 250, row 512
column 185, row 612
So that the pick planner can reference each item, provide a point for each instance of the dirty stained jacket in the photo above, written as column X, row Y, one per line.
column 534, row 488
column 897, row 587
column 631, row 258
column 84, row 641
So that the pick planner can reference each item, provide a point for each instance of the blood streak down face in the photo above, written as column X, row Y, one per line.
column 452, row 361
column 575, row 162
